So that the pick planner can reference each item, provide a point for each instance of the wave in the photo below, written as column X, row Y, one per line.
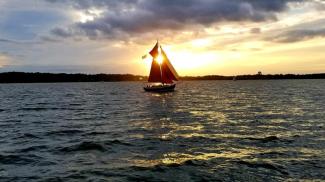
column 269, row 139
column 18, row 159
column 159, row 172
column 16, row 178
column 94, row 133
column 64, row 132
column 75, row 104
column 27, row 136
column 116, row 142
column 33, row 148
column 49, row 108
column 264, row 165
column 10, row 122
column 95, row 146
column 264, row 140
column 38, row 108
column 272, row 153
column 84, row 146
column 199, row 139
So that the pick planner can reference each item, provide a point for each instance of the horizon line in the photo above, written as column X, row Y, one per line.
column 100, row 73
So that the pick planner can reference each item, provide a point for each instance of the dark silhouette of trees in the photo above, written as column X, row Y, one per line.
column 257, row 77
column 21, row 77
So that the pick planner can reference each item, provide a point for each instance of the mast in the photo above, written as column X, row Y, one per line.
column 159, row 52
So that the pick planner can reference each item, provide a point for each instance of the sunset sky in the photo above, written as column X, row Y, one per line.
column 201, row 37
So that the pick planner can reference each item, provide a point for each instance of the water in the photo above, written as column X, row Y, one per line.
column 209, row 130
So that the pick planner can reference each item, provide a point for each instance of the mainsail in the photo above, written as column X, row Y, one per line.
column 164, row 72
column 155, row 73
column 168, row 67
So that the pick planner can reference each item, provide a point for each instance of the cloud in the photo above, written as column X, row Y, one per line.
column 26, row 25
column 255, row 30
column 8, row 41
column 86, row 4
column 125, row 18
column 319, row 5
column 299, row 35
column 299, row 32
column 60, row 32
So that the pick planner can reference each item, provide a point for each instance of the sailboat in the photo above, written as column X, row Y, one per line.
column 162, row 75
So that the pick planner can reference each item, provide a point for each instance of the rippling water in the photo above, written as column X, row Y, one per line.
column 208, row 130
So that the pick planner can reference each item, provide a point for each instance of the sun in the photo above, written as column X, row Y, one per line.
column 160, row 59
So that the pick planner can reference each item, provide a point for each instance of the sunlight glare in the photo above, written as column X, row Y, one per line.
column 190, row 63
column 160, row 59
column 200, row 42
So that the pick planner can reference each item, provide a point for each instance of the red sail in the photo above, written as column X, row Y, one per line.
column 168, row 67
column 154, row 52
column 155, row 74
column 166, row 74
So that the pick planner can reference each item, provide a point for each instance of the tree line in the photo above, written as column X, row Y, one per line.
column 22, row 77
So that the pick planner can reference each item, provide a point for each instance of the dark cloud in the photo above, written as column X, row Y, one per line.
column 299, row 32
column 129, row 17
column 10, row 41
column 61, row 32
column 48, row 39
column 319, row 5
column 7, row 41
column 86, row 4
column 255, row 30
column 298, row 35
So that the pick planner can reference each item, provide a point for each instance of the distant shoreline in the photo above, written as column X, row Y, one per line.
column 23, row 77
